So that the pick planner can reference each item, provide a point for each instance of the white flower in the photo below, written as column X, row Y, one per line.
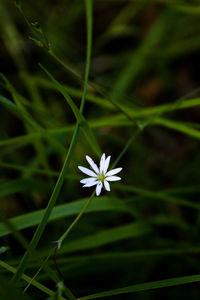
column 99, row 176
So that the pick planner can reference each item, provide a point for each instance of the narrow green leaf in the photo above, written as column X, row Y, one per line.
column 106, row 237
column 160, row 196
column 138, row 60
column 145, row 287
column 160, row 109
column 19, row 185
column 10, row 291
column 35, row 283
column 79, row 117
column 64, row 210
column 36, row 42
column 178, row 126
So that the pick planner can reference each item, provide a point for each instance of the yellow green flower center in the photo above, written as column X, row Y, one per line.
column 101, row 177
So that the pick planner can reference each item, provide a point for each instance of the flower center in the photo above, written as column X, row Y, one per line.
column 101, row 177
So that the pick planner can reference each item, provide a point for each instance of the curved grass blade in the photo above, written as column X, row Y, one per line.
column 64, row 210
column 35, row 283
column 160, row 196
column 106, row 237
column 79, row 117
column 47, row 213
column 145, row 287
column 178, row 126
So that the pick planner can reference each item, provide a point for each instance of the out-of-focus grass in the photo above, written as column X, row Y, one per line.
column 141, row 106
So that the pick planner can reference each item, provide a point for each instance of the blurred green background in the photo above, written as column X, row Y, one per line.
column 145, row 54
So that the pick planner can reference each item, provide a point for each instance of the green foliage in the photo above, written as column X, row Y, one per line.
column 86, row 78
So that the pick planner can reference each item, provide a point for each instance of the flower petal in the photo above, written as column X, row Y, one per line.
column 113, row 178
column 107, row 185
column 89, row 184
column 106, row 164
column 98, row 188
column 113, row 172
column 92, row 164
column 88, row 180
column 103, row 157
column 87, row 171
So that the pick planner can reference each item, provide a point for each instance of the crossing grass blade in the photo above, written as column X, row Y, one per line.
column 138, row 60
column 178, row 126
column 105, row 237
column 145, row 287
column 10, row 291
column 79, row 117
column 160, row 196
column 35, row 283
column 65, row 210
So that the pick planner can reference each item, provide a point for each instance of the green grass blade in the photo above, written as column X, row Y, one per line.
column 107, row 236
column 35, row 283
column 79, row 117
column 10, row 291
column 139, row 58
column 178, row 126
column 145, row 287
column 19, row 185
column 64, row 210
column 47, row 213
column 160, row 196
column 88, row 4
column 160, row 109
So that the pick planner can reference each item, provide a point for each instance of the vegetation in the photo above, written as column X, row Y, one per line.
column 85, row 78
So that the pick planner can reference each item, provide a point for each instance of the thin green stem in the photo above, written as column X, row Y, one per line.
column 132, row 138
column 59, row 242
column 88, row 4
column 65, row 66
column 56, row 191
column 48, row 210
column 65, row 234
column 28, row 279
column 33, row 278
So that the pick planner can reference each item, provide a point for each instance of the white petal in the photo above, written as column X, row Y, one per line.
column 98, row 188
column 92, row 164
column 88, row 180
column 106, row 164
column 87, row 171
column 113, row 172
column 113, row 178
column 103, row 157
column 107, row 185
column 89, row 184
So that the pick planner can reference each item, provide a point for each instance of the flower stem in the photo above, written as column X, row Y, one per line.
column 65, row 234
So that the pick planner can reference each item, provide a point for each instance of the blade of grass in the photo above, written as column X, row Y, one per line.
column 128, row 256
column 39, row 231
column 65, row 210
column 25, row 117
column 178, row 126
column 19, row 185
column 85, row 126
column 145, row 287
column 160, row 196
column 105, row 237
column 37, row 171
column 56, row 191
column 35, row 283
column 139, row 58
column 79, row 117
column 35, row 255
